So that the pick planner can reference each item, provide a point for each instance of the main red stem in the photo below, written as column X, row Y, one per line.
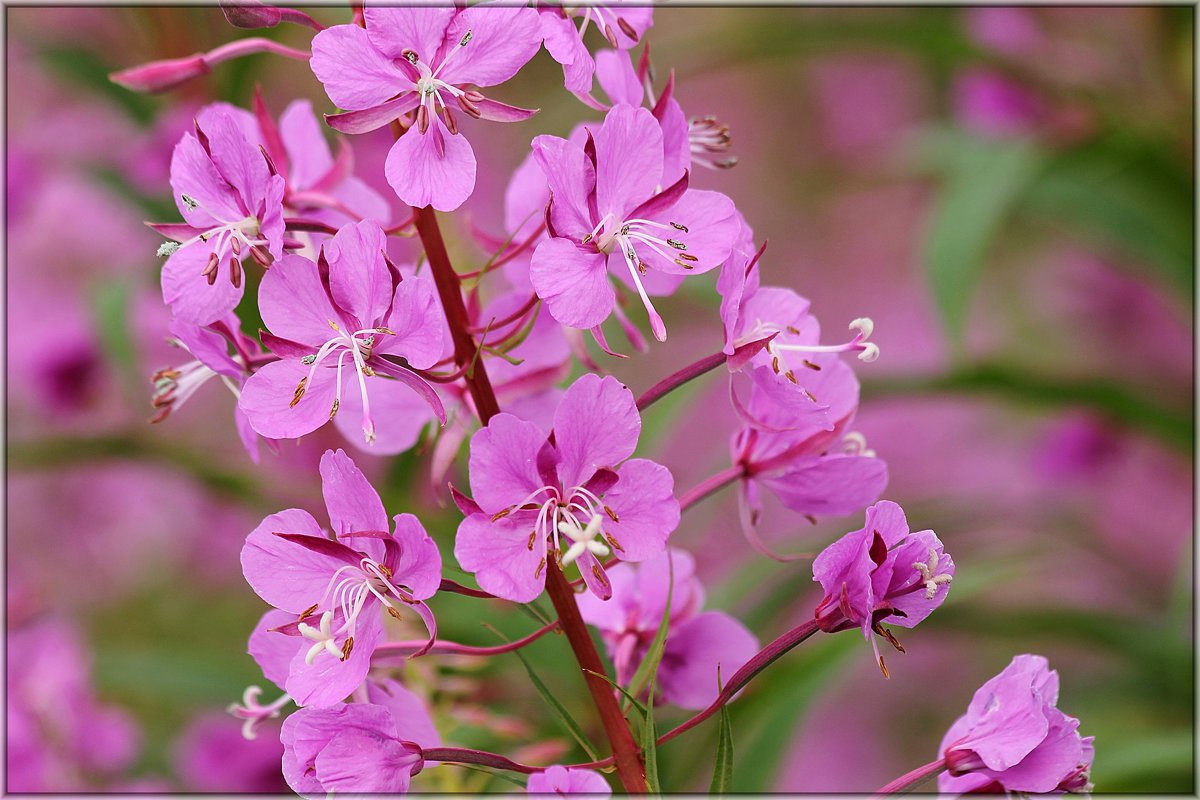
column 626, row 755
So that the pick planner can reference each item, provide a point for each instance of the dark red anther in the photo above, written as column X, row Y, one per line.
column 210, row 269
column 469, row 108
column 451, row 121
column 235, row 272
column 260, row 256
column 626, row 28
column 423, row 118
column 611, row 35
column 473, row 96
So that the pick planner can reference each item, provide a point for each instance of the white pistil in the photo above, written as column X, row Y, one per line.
column 584, row 539
column 929, row 574
column 322, row 636
column 855, row 444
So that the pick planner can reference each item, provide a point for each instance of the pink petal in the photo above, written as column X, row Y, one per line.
column 573, row 283
column 502, row 112
column 358, row 276
column 696, row 649
column 629, row 160
column 329, row 680
column 645, row 504
column 374, row 117
column 418, row 322
column 268, row 394
column 399, row 415
column 354, row 73
column 187, row 291
column 308, row 152
column 238, row 160
column 614, row 70
column 420, row 563
column 503, row 39
column 570, row 178
column 597, row 425
column 352, row 502
column 422, row 30
column 286, row 575
column 561, row 38
column 193, row 173
column 413, row 723
column 503, row 463
column 712, row 230
column 355, row 762
column 271, row 650
column 830, row 485
column 432, row 169
column 295, row 304
column 499, row 555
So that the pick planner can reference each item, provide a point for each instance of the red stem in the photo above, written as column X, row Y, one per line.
column 710, row 485
column 442, row 647
column 625, row 751
column 513, row 317
column 509, row 256
column 910, row 780
column 672, row 382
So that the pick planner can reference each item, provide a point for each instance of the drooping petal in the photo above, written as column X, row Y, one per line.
column 573, row 282
column 187, row 291
column 1053, row 759
column 614, row 70
column 505, row 559
column 286, row 575
column 629, row 160
column 271, row 650
column 355, row 74
column 420, row 29
column 356, row 761
column 432, row 168
column 210, row 347
column 503, row 463
column 295, row 305
column 597, row 425
column 352, row 502
column 696, row 649
column 267, row 399
column 358, row 276
column 646, row 508
column 503, row 39
column 829, row 485
column 562, row 41
column 413, row 723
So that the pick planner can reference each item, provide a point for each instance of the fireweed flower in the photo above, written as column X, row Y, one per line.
column 422, row 60
column 316, row 184
column 558, row 780
column 210, row 347
column 232, row 207
column 623, row 26
column 698, row 643
column 609, row 213
column 881, row 572
column 570, row 497
column 333, row 333
column 337, row 586
column 358, row 747
column 1013, row 738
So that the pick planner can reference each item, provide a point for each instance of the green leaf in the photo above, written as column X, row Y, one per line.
column 982, row 184
column 654, row 654
column 650, row 745
column 636, row 703
column 559, row 710
column 722, row 780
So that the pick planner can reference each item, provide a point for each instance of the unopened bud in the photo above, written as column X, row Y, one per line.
column 160, row 76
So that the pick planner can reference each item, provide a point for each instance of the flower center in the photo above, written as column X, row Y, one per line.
column 429, row 88
column 229, row 238
column 174, row 385
column 556, row 516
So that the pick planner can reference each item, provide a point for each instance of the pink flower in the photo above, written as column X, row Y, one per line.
column 992, row 104
column 212, row 756
column 622, row 25
column 233, row 208
column 558, row 780
column 374, row 317
column 360, row 747
column 1013, row 738
column 698, row 644
column 421, row 59
column 881, row 571
column 530, row 492
column 337, row 590
column 609, row 213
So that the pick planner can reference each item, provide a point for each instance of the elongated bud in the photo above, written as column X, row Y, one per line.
column 160, row 76
column 250, row 14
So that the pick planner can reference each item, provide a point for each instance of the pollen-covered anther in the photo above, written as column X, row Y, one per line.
column 678, row 245
column 191, row 204
column 167, row 249
column 929, row 574
column 299, row 392
column 337, row 403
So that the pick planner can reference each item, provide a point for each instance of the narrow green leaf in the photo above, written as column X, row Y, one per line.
column 650, row 745
column 722, row 780
column 981, row 188
column 559, row 710
column 649, row 666
column 636, row 703
column 495, row 773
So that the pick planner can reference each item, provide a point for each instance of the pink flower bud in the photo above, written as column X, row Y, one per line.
column 160, row 76
column 251, row 14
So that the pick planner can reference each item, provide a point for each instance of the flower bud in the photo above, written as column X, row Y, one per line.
column 160, row 76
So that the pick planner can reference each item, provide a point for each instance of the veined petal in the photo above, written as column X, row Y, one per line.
column 267, row 398
column 194, row 174
column 698, row 650
column 432, row 168
column 646, row 508
column 286, row 575
column 307, row 150
column 419, row 324
column 352, row 502
column 415, row 560
column 187, row 291
column 368, row 119
column 358, row 276
column 629, row 160
column 238, row 160
column 421, row 29
column 503, row 39
column 712, row 230
column 561, row 38
column 295, row 305
column 597, row 425
column 328, row 680
column 573, row 282
column 571, row 178
column 500, row 556
column 355, row 74
column 614, row 70
column 503, row 462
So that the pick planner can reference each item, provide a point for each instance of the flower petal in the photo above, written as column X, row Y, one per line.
column 352, row 502
column 355, row 74
column 629, row 160
column 295, row 304
column 329, row 680
column 418, row 322
column 286, row 575
column 420, row 29
column 268, row 394
column 432, row 168
column 271, row 650
column 597, row 425
column 646, row 508
column 573, row 282
column 503, row 39
column 503, row 463
column 712, row 230
column 830, row 485
column 419, row 564
column 187, row 291
column 358, row 276
column 698, row 650
column 499, row 555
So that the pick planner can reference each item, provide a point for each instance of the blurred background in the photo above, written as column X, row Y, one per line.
column 1007, row 192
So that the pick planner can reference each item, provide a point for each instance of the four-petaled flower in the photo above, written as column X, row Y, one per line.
column 1013, row 738
column 699, row 646
column 609, row 212
column 422, row 59
column 526, row 485
column 881, row 572
column 334, row 588
column 232, row 208
column 356, row 316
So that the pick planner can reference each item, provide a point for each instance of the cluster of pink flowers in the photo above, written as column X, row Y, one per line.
column 390, row 351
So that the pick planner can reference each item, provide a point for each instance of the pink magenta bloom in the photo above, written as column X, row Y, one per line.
column 1013, row 738
column 698, row 643
column 356, row 315
column 531, row 492
column 233, row 208
column 316, row 184
column 881, row 571
column 422, row 59
column 558, row 780
column 335, row 587
column 360, row 747
column 622, row 25
column 610, row 213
